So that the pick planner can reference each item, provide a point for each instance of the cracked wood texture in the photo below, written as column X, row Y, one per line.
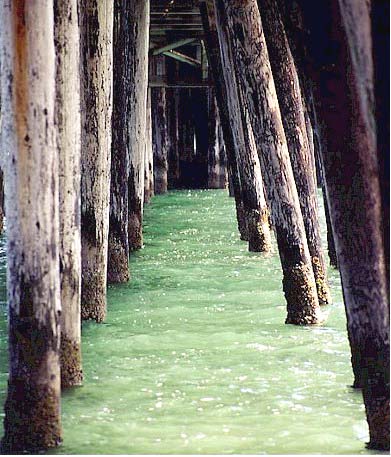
column 118, row 244
column 239, row 24
column 66, row 31
column 96, row 23
column 341, row 55
column 32, row 408
column 159, row 138
column 255, row 211
column 289, row 96
column 138, row 27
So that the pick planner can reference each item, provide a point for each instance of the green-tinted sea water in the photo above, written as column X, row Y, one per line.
column 195, row 358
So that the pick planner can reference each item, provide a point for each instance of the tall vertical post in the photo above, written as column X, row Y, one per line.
column 118, row 245
column 238, row 137
column 96, row 22
column 32, row 408
column 290, row 100
column 138, row 26
column 148, row 164
column 342, row 63
column 67, row 35
column 240, row 32
column 159, row 138
column 213, row 143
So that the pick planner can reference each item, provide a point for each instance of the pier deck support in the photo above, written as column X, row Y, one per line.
column 240, row 32
column 96, row 21
column 32, row 408
column 68, row 144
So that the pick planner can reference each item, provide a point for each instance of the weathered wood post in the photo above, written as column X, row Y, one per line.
column 138, row 26
column 148, row 163
column 118, row 245
column 292, row 110
column 216, row 169
column 240, row 32
column 66, row 34
column 96, row 23
column 341, row 52
column 214, row 59
column 32, row 408
column 159, row 138
column 297, row 36
column 246, row 176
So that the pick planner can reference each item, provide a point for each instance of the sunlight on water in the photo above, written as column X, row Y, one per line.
column 195, row 357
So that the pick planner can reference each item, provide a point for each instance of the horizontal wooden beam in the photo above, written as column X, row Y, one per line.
column 182, row 58
column 172, row 46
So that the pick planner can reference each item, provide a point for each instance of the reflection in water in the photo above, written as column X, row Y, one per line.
column 195, row 356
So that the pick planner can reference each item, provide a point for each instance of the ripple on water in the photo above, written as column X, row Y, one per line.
column 196, row 357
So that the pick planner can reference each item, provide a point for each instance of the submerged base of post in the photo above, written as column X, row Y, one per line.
column 70, row 361
column 117, row 261
column 302, row 305
column 135, row 231
column 242, row 222
column 93, row 300
column 31, row 422
column 322, row 287
column 258, row 231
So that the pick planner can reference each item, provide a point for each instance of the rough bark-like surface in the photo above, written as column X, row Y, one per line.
column 32, row 408
column 96, row 23
column 239, row 23
column 148, row 163
column 118, row 244
column 67, row 44
column 293, row 118
column 138, row 28
column 159, row 139
column 242, row 159
column 341, row 49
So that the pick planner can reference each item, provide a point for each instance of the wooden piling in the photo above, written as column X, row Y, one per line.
column 240, row 26
column 96, row 23
column 241, row 154
column 32, row 408
column 67, row 44
column 345, row 85
column 159, row 138
column 138, row 28
column 292, row 110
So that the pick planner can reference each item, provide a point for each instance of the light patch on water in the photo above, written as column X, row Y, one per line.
column 195, row 357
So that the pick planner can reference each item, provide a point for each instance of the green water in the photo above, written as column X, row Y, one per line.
column 195, row 358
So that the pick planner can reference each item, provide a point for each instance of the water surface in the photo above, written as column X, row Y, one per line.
column 195, row 358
